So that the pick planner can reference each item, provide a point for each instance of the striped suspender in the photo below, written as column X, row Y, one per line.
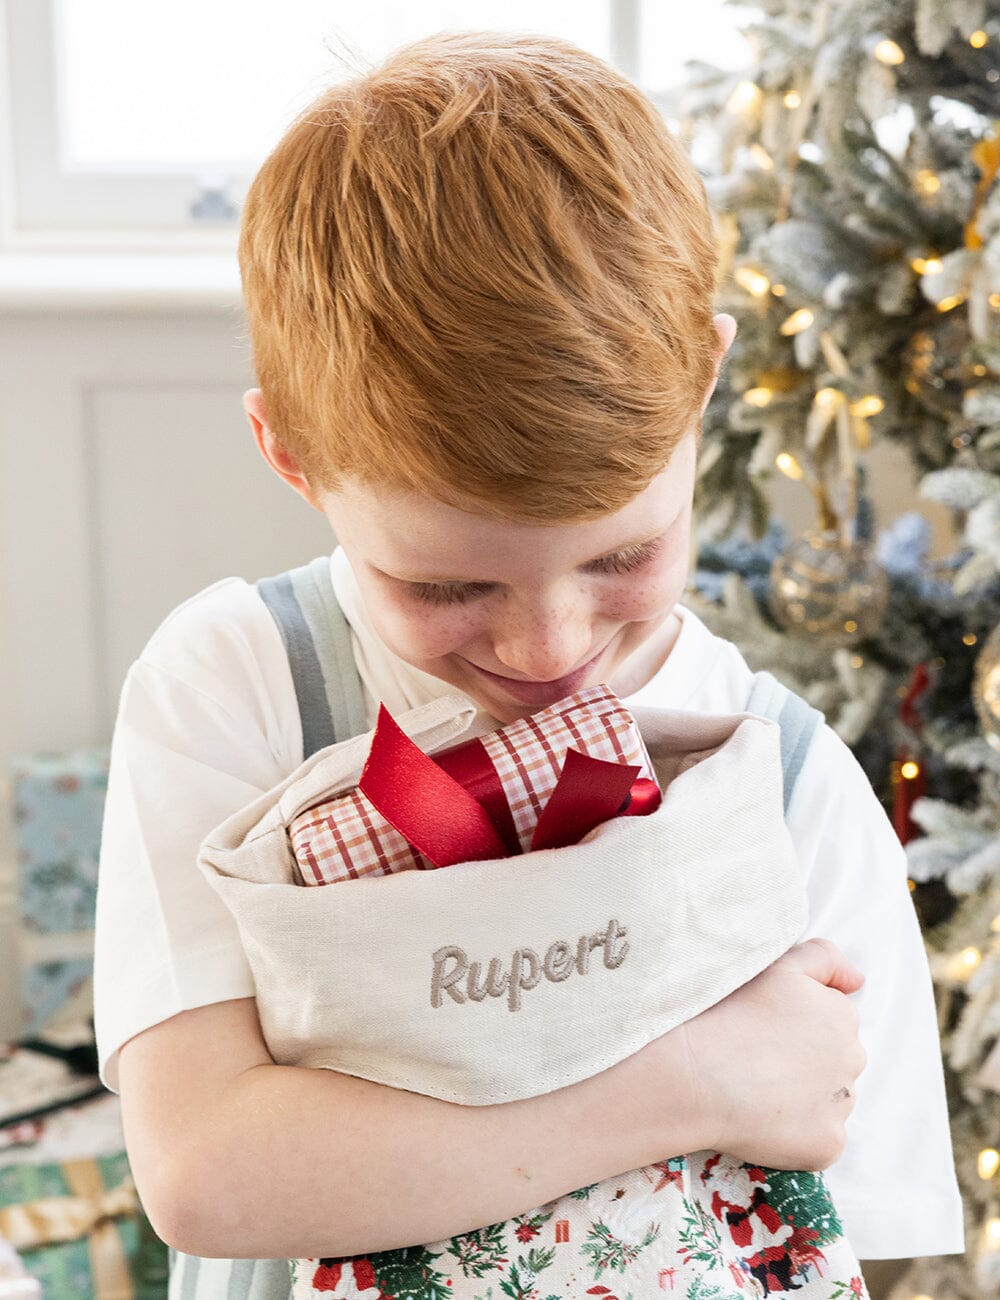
column 192, row 1278
column 317, row 638
column 331, row 705
column 797, row 720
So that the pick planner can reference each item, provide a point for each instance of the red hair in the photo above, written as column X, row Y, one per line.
column 483, row 271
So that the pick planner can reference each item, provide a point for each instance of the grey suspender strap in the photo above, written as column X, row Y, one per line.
column 796, row 719
column 192, row 1278
column 317, row 638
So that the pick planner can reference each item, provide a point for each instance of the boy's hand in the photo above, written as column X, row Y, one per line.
column 773, row 1065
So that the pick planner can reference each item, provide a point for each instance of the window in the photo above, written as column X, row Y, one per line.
column 142, row 123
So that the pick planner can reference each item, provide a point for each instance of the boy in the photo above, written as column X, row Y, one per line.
column 479, row 286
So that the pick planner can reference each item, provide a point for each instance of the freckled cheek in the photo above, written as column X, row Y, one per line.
column 416, row 634
column 647, row 596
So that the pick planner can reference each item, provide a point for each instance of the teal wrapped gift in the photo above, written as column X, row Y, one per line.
column 58, row 811
column 81, row 1230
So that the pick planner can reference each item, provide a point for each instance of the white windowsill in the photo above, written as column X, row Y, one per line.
column 121, row 281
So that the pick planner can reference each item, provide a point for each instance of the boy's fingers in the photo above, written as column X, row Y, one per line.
column 823, row 960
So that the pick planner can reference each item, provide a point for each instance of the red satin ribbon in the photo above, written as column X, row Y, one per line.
column 412, row 792
column 588, row 792
column 471, row 766
column 452, row 808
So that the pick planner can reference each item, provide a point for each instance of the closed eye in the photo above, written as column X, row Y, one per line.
column 449, row 593
column 452, row 593
column 627, row 561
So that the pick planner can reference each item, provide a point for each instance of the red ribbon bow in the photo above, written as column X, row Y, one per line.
column 452, row 808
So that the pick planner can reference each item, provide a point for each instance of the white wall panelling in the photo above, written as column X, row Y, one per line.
column 129, row 479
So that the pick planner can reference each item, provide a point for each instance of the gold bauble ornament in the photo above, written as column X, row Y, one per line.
column 986, row 687
column 828, row 589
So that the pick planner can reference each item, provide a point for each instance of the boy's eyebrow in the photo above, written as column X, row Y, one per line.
column 605, row 555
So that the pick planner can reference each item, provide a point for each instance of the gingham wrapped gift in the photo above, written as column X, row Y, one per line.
column 541, row 782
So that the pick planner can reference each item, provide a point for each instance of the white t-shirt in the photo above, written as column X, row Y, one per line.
column 208, row 721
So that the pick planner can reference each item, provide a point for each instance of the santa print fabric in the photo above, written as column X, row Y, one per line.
column 698, row 1226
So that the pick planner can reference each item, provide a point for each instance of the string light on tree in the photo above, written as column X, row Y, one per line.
column 759, row 397
column 867, row 406
column 793, row 99
column 788, row 465
column 978, row 39
column 927, row 265
column 889, row 53
column 746, row 97
column 988, row 1163
column 960, row 967
column 798, row 322
column 755, row 282
column 927, row 181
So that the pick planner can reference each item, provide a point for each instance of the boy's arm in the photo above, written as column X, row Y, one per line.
column 245, row 1158
column 235, row 1156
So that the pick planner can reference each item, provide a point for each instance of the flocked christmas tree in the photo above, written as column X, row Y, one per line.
column 854, row 170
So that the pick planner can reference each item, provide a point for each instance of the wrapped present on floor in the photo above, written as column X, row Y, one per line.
column 58, row 810
column 542, row 782
column 39, row 1078
column 80, row 1230
column 68, row 1204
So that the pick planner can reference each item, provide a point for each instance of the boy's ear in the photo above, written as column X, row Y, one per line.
column 275, row 455
column 725, row 328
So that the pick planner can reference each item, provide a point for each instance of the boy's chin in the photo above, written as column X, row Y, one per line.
column 506, row 707
column 500, row 707
column 505, row 711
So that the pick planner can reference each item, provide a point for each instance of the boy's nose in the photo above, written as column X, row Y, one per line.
column 545, row 644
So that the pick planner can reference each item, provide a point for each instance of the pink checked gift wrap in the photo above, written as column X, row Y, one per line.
column 522, row 787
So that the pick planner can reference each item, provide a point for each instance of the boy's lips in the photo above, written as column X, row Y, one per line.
column 543, row 693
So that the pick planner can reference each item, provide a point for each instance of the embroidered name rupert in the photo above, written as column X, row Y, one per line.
column 452, row 966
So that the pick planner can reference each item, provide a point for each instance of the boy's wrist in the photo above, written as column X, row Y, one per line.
column 655, row 1096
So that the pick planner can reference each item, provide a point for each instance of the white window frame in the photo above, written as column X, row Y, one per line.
column 45, row 207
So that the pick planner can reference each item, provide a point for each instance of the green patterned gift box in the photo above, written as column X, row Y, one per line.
column 80, row 1230
column 58, row 810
